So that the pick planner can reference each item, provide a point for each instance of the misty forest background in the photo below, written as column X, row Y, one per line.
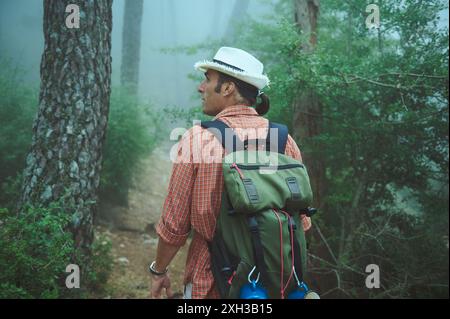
column 83, row 110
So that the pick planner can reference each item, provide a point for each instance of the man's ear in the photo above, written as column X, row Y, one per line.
column 228, row 89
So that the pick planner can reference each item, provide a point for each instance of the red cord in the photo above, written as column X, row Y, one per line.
column 234, row 165
column 230, row 280
column 281, row 254
column 292, row 251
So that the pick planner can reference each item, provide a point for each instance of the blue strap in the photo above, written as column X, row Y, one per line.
column 220, row 128
column 219, row 132
column 282, row 136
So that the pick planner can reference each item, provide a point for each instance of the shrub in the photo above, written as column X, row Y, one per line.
column 35, row 250
column 18, row 104
column 134, row 129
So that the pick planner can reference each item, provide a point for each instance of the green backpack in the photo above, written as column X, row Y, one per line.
column 259, row 238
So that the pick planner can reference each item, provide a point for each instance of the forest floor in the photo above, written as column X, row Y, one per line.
column 131, row 231
column 132, row 253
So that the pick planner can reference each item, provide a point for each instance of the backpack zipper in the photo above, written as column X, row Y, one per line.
column 253, row 167
column 238, row 167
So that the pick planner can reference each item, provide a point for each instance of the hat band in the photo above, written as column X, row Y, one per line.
column 227, row 65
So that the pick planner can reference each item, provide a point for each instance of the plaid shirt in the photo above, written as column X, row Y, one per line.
column 195, row 189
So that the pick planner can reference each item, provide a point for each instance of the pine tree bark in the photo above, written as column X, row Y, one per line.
column 64, row 161
column 306, row 106
column 131, row 45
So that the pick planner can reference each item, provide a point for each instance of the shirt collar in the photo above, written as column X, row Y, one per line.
column 237, row 110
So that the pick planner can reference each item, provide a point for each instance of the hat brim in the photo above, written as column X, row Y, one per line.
column 257, row 80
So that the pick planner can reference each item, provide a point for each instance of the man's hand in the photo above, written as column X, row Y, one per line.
column 164, row 254
column 158, row 284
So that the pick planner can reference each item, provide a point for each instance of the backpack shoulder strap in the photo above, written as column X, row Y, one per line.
column 282, row 136
column 218, row 128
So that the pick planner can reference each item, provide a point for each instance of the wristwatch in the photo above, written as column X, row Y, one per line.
column 152, row 270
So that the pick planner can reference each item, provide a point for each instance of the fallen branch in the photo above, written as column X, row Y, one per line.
column 326, row 243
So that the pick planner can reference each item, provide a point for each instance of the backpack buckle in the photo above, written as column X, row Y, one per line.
column 292, row 223
column 250, row 189
column 253, row 224
column 310, row 211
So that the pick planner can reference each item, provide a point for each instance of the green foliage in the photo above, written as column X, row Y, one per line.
column 35, row 247
column 35, row 250
column 96, row 266
column 383, row 136
column 134, row 130
column 18, row 104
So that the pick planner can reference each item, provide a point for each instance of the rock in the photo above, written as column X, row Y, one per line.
column 123, row 260
column 152, row 241
column 122, row 246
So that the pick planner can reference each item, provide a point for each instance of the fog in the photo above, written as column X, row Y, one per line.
column 165, row 24
column 163, row 78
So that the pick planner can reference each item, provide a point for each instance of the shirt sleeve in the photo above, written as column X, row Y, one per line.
column 174, row 225
column 293, row 151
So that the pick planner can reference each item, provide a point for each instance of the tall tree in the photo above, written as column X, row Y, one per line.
column 239, row 10
column 384, row 141
column 306, row 106
column 217, row 13
column 173, row 28
column 131, row 44
column 64, row 161
column 306, row 14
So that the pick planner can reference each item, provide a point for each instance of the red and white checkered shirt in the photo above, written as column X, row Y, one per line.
column 195, row 190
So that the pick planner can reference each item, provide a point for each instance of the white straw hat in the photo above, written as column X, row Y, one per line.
column 236, row 63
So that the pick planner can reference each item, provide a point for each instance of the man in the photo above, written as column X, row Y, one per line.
column 232, row 84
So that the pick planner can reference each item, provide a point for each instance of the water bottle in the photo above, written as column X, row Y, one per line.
column 253, row 290
column 302, row 292
column 299, row 292
column 312, row 295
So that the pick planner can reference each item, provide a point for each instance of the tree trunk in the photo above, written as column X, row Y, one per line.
column 131, row 45
column 64, row 161
column 239, row 10
column 173, row 36
column 307, row 109
column 306, row 14
column 217, row 14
